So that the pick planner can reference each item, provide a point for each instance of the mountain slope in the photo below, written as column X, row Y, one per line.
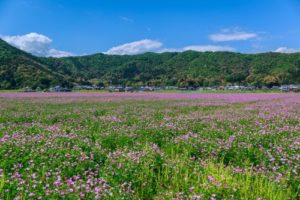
column 190, row 68
column 19, row 69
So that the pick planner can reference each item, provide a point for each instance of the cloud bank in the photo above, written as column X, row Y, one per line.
column 148, row 45
column 36, row 44
column 285, row 50
column 136, row 47
column 227, row 35
column 41, row 45
column 212, row 48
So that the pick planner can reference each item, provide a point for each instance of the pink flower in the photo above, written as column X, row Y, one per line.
column 81, row 194
column 191, row 189
column 211, row 178
column 31, row 194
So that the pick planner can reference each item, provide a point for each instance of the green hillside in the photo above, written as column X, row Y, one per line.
column 184, row 69
column 19, row 69
column 190, row 68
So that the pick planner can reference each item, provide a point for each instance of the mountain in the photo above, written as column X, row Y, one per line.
column 190, row 68
column 19, row 69
column 184, row 69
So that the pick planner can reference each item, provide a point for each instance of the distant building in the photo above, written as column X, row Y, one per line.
column 146, row 89
column 86, row 87
column 59, row 89
column 290, row 88
column 28, row 89
column 171, row 88
column 38, row 89
column 129, row 89
column 116, row 89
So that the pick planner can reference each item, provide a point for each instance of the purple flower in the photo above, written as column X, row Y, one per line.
column 211, row 178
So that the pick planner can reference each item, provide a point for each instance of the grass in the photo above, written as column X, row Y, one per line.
column 149, row 149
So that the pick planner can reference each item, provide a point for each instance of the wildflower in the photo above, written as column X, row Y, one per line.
column 237, row 170
column 81, row 194
column 191, row 189
column 211, row 178
column 31, row 194
column 213, row 197
column 196, row 197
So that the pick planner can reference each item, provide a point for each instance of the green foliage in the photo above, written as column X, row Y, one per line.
column 187, row 69
column 54, row 148
column 19, row 69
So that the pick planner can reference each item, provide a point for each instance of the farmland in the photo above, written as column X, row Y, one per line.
column 149, row 146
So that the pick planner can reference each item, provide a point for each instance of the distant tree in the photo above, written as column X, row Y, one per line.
column 101, row 84
column 271, row 80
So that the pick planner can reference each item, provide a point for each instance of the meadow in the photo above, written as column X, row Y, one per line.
column 149, row 146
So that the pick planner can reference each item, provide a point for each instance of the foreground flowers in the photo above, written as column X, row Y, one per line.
column 149, row 146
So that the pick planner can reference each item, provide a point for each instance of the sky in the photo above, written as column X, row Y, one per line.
column 79, row 27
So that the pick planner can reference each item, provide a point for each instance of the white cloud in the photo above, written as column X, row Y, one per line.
column 147, row 45
column 199, row 48
column 232, row 35
column 285, row 50
column 169, row 50
column 58, row 54
column 36, row 44
column 204, row 48
column 137, row 47
column 126, row 19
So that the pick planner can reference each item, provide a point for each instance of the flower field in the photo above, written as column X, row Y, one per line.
column 149, row 146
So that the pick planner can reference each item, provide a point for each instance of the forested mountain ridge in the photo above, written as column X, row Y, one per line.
column 19, row 69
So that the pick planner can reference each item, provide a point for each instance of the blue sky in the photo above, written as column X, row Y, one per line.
column 80, row 27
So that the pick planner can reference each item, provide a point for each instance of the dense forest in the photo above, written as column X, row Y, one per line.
column 185, row 69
